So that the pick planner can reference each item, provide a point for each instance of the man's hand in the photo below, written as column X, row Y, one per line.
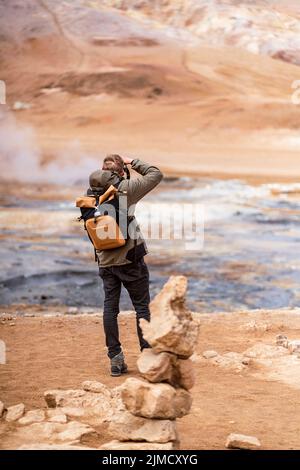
column 127, row 161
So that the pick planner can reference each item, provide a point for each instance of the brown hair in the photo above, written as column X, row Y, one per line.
column 114, row 163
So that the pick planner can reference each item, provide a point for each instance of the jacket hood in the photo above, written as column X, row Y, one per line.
column 101, row 180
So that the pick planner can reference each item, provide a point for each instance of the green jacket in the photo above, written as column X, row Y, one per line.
column 135, row 189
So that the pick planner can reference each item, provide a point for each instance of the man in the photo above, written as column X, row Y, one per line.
column 125, row 265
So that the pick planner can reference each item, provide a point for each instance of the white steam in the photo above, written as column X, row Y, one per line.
column 20, row 157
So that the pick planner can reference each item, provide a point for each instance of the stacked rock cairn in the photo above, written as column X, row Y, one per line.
column 153, row 403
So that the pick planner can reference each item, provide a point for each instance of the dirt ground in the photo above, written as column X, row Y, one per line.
column 61, row 352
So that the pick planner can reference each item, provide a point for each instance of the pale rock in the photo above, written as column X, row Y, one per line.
column 239, row 441
column 156, row 367
column 1, row 408
column 33, row 416
column 54, row 432
column 127, row 427
column 59, row 418
column 39, row 446
column 294, row 346
column 72, row 398
column 265, row 351
column 160, row 401
column 96, row 387
column 165, row 367
column 231, row 361
column 209, row 354
column 117, row 445
column 72, row 412
column 172, row 328
column 15, row 412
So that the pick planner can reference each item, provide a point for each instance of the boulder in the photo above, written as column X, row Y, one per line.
column 239, row 441
column 165, row 367
column 160, row 401
column 54, row 432
column 15, row 412
column 117, row 445
column 172, row 328
column 34, row 416
column 156, row 367
column 127, row 427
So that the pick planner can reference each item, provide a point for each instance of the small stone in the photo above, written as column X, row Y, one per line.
column 117, row 445
column 29, row 315
column 239, row 441
column 72, row 311
column 15, row 412
column 209, row 354
column 126, row 427
column 62, row 418
column 34, row 416
column 12, row 324
column 155, row 400
column 96, row 387
column 294, row 346
column 1, row 408
column 56, row 398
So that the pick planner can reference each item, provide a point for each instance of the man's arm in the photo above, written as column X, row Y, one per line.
column 138, row 187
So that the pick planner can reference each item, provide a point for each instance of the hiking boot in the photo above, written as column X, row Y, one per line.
column 118, row 365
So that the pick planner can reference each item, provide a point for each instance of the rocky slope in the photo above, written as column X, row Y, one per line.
column 263, row 26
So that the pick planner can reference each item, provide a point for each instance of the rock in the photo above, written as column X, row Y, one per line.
column 72, row 311
column 58, row 419
column 231, row 361
column 155, row 400
column 56, row 398
column 172, row 328
column 29, row 315
column 1, row 408
column 165, row 367
column 54, row 432
column 72, row 412
column 239, row 441
column 156, row 367
column 15, row 412
column 34, row 416
column 80, row 399
column 39, row 446
column 19, row 106
column 75, row 432
column 294, row 346
column 127, row 427
column 265, row 351
column 116, row 445
column 186, row 374
column 282, row 340
column 209, row 354
column 96, row 387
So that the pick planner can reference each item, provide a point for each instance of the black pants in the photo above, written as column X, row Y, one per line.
column 135, row 278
